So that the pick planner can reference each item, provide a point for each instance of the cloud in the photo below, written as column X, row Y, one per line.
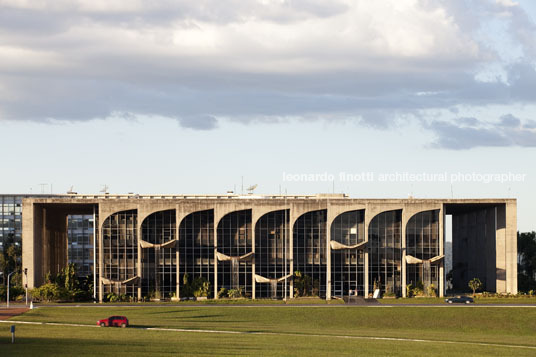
column 467, row 133
column 199, row 122
column 207, row 61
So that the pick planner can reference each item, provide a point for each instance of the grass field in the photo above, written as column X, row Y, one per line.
column 288, row 330
column 478, row 300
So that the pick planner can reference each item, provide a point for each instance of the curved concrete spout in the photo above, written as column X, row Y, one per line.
column 110, row 281
column 339, row 246
column 145, row 244
column 225, row 258
column 412, row 260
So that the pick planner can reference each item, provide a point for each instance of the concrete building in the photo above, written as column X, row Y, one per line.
column 146, row 244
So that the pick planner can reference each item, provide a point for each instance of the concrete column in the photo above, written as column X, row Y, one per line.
column 139, row 269
column 30, row 231
column 403, row 264
column 101, row 260
column 328, row 260
column 441, row 252
column 366, row 256
column 253, row 260
column 291, row 252
column 215, row 257
column 177, row 256
column 511, row 247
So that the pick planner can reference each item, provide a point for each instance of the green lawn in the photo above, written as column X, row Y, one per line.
column 286, row 330
column 478, row 300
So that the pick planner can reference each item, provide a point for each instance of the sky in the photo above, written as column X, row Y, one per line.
column 376, row 99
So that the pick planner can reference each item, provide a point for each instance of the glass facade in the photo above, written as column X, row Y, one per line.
column 422, row 242
column 347, row 265
column 385, row 252
column 196, row 248
column 234, row 241
column 10, row 220
column 310, row 249
column 80, row 243
column 120, row 253
column 271, row 254
column 159, row 263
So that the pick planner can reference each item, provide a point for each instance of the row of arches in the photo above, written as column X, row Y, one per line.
column 227, row 257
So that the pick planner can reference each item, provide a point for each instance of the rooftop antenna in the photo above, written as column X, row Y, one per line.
column 252, row 188
column 70, row 191
column 451, row 191
column 242, row 185
column 104, row 189
column 43, row 187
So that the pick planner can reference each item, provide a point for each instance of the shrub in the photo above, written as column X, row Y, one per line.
column 50, row 292
column 432, row 291
column 235, row 293
column 14, row 292
column 475, row 284
column 200, row 286
column 113, row 297
column 409, row 290
column 303, row 285
column 222, row 293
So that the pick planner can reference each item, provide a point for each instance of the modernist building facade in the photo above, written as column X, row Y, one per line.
column 147, row 244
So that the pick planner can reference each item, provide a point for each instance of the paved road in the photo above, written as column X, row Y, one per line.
column 7, row 313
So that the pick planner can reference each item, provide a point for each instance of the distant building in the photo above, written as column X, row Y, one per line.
column 146, row 245
column 80, row 231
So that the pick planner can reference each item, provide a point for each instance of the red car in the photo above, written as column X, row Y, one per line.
column 117, row 321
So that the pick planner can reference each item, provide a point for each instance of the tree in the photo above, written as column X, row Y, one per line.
column 10, row 260
column 526, row 249
column 475, row 284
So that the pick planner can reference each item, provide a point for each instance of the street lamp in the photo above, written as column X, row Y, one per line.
column 8, row 277
column 26, row 285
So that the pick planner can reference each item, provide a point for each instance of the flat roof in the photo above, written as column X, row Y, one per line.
column 88, row 199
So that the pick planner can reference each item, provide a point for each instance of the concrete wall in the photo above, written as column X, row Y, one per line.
column 485, row 247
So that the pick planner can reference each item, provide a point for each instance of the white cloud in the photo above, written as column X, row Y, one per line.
column 206, row 60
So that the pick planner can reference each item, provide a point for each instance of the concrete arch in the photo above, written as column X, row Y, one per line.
column 105, row 280
column 351, row 279
column 317, row 270
column 410, row 209
column 200, row 254
column 145, row 210
column 263, row 276
column 147, row 244
column 234, row 255
column 386, row 270
column 421, row 265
